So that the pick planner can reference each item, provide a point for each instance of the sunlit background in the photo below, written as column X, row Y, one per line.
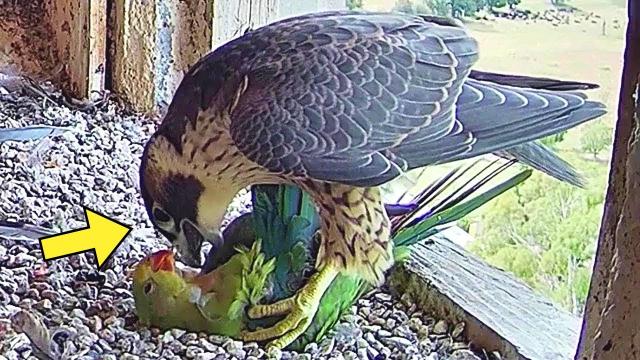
column 544, row 231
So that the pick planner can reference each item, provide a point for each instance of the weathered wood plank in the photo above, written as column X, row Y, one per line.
column 184, row 33
column 134, row 50
column 97, row 46
column 233, row 17
column 293, row 8
column 79, row 33
column 500, row 312
column 155, row 42
column 611, row 325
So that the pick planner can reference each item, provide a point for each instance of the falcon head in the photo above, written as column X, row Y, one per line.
column 173, row 199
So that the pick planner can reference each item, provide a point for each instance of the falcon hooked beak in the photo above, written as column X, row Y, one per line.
column 188, row 242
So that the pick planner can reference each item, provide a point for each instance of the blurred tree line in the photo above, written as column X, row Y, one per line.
column 455, row 8
column 354, row 4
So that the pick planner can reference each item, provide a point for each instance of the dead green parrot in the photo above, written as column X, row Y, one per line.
column 167, row 297
column 280, row 232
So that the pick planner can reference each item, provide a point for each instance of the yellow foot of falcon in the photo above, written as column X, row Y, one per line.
column 300, row 310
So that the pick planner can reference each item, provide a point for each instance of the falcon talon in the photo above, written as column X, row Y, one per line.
column 281, row 307
column 301, row 307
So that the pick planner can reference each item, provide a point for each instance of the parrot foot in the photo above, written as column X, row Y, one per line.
column 300, row 310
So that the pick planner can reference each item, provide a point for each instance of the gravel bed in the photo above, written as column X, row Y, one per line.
column 90, row 315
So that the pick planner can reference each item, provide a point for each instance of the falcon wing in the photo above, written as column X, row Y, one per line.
column 358, row 98
column 333, row 95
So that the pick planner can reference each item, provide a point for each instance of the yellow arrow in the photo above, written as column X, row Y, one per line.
column 102, row 235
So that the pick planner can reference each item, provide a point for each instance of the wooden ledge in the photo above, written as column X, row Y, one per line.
column 500, row 312
column 79, row 38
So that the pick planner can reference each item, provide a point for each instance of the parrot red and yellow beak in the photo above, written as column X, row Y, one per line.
column 162, row 261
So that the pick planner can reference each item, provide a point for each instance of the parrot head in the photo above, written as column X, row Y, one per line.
column 184, row 205
column 157, row 285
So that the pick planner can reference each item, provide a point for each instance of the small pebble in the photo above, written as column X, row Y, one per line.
column 193, row 351
column 440, row 328
column 326, row 346
column 234, row 348
column 397, row 342
column 275, row 354
column 217, row 339
column 463, row 355
column 349, row 355
column 206, row 356
column 311, row 348
column 457, row 330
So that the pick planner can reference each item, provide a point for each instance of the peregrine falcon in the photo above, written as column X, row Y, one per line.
column 337, row 103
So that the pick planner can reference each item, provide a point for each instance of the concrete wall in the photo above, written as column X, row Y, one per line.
column 186, row 31
column 150, row 43
column 164, row 38
column 183, row 35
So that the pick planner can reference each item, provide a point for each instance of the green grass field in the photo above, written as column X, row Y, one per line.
column 574, row 52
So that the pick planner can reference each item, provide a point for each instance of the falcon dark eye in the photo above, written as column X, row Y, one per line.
column 148, row 288
column 161, row 215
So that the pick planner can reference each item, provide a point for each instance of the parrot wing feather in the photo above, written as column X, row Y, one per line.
column 455, row 207
column 255, row 273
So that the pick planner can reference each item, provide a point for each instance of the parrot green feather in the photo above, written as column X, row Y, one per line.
column 255, row 272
